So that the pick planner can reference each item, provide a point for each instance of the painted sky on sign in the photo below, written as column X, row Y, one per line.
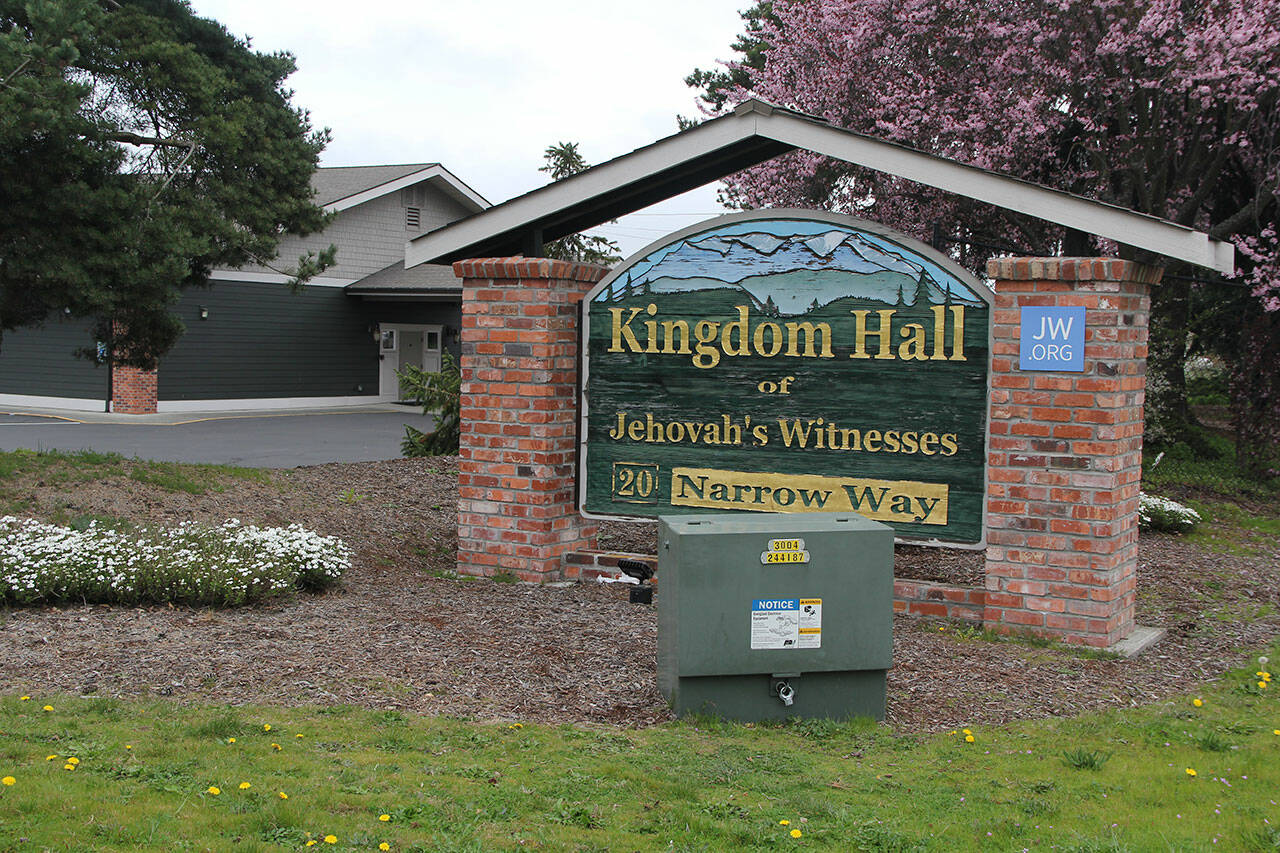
column 747, row 251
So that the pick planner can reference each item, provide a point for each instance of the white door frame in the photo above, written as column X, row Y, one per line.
column 389, row 360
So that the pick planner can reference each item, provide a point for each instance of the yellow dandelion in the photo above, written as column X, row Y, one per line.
column 966, row 731
column 68, row 767
column 231, row 740
column 1275, row 731
column 299, row 734
column 331, row 839
column 244, row 786
column 283, row 795
column 47, row 708
column 1197, row 701
column 24, row 698
column 51, row 757
column 266, row 727
column 128, row 746
column 1191, row 771
column 384, row 817
column 384, row 846
column 311, row 843
column 73, row 760
column 784, row 822
column 277, row 747
column 969, row 738
column 1262, row 685
column 795, row 833
column 215, row 790
column 9, row 780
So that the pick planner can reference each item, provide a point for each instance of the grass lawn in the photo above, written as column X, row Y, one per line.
column 147, row 772
column 146, row 775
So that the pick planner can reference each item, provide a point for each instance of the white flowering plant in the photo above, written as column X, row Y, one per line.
column 224, row 565
column 1166, row 516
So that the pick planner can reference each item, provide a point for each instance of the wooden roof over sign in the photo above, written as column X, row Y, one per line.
column 755, row 132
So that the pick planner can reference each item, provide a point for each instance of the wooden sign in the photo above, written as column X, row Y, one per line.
column 788, row 361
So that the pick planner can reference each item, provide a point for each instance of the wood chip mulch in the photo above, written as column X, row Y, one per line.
column 400, row 633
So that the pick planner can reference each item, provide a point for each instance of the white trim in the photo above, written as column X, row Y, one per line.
column 576, row 189
column 1105, row 220
column 756, row 119
column 437, row 174
column 264, row 403
column 70, row 404
column 275, row 278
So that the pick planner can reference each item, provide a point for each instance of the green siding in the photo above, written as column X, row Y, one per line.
column 41, row 361
column 260, row 340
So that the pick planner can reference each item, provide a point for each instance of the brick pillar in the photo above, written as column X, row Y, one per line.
column 517, row 508
column 1065, row 458
column 133, row 390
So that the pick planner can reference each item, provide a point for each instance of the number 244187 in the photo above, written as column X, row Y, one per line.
column 635, row 482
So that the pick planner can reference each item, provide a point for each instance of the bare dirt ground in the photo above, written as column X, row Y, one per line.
column 401, row 632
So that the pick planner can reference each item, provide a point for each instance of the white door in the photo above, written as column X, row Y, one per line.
column 431, row 344
column 402, row 345
column 389, row 362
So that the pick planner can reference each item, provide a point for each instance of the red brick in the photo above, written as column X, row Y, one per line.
column 1092, row 481
column 518, row 411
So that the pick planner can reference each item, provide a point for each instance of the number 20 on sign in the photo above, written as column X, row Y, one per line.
column 635, row 482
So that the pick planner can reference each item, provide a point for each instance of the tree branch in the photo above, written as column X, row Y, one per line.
column 139, row 140
column 15, row 72
column 1236, row 221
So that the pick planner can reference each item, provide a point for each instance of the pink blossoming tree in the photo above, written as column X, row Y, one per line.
column 1165, row 107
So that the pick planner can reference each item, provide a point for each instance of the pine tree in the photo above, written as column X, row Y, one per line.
column 563, row 160
column 140, row 146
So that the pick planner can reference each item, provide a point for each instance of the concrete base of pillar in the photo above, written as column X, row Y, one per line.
column 1142, row 638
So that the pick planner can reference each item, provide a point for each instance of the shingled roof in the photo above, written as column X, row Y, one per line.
column 340, row 187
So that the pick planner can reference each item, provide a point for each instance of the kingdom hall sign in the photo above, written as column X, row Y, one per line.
column 789, row 361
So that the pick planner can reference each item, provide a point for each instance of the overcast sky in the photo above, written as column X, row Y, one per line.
column 484, row 86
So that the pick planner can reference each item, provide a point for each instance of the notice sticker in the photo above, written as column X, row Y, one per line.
column 810, row 624
column 775, row 623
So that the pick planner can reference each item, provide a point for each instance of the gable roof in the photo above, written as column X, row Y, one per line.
column 753, row 133
column 341, row 187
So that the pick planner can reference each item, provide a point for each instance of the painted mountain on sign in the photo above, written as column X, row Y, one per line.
column 793, row 272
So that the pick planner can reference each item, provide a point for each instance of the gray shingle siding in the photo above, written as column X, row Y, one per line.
column 369, row 236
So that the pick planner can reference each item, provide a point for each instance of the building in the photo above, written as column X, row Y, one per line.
column 252, row 344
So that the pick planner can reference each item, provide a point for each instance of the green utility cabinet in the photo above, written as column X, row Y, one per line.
column 775, row 615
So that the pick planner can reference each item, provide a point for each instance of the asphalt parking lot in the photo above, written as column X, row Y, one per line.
column 253, row 440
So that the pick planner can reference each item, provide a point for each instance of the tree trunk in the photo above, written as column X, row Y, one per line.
column 1255, row 395
column 1168, row 417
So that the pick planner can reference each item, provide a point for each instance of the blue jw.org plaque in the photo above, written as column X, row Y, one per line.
column 1051, row 339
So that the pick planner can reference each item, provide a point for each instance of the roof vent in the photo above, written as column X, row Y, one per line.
column 412, row 218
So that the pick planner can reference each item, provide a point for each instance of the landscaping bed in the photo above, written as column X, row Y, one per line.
column 400, row 631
